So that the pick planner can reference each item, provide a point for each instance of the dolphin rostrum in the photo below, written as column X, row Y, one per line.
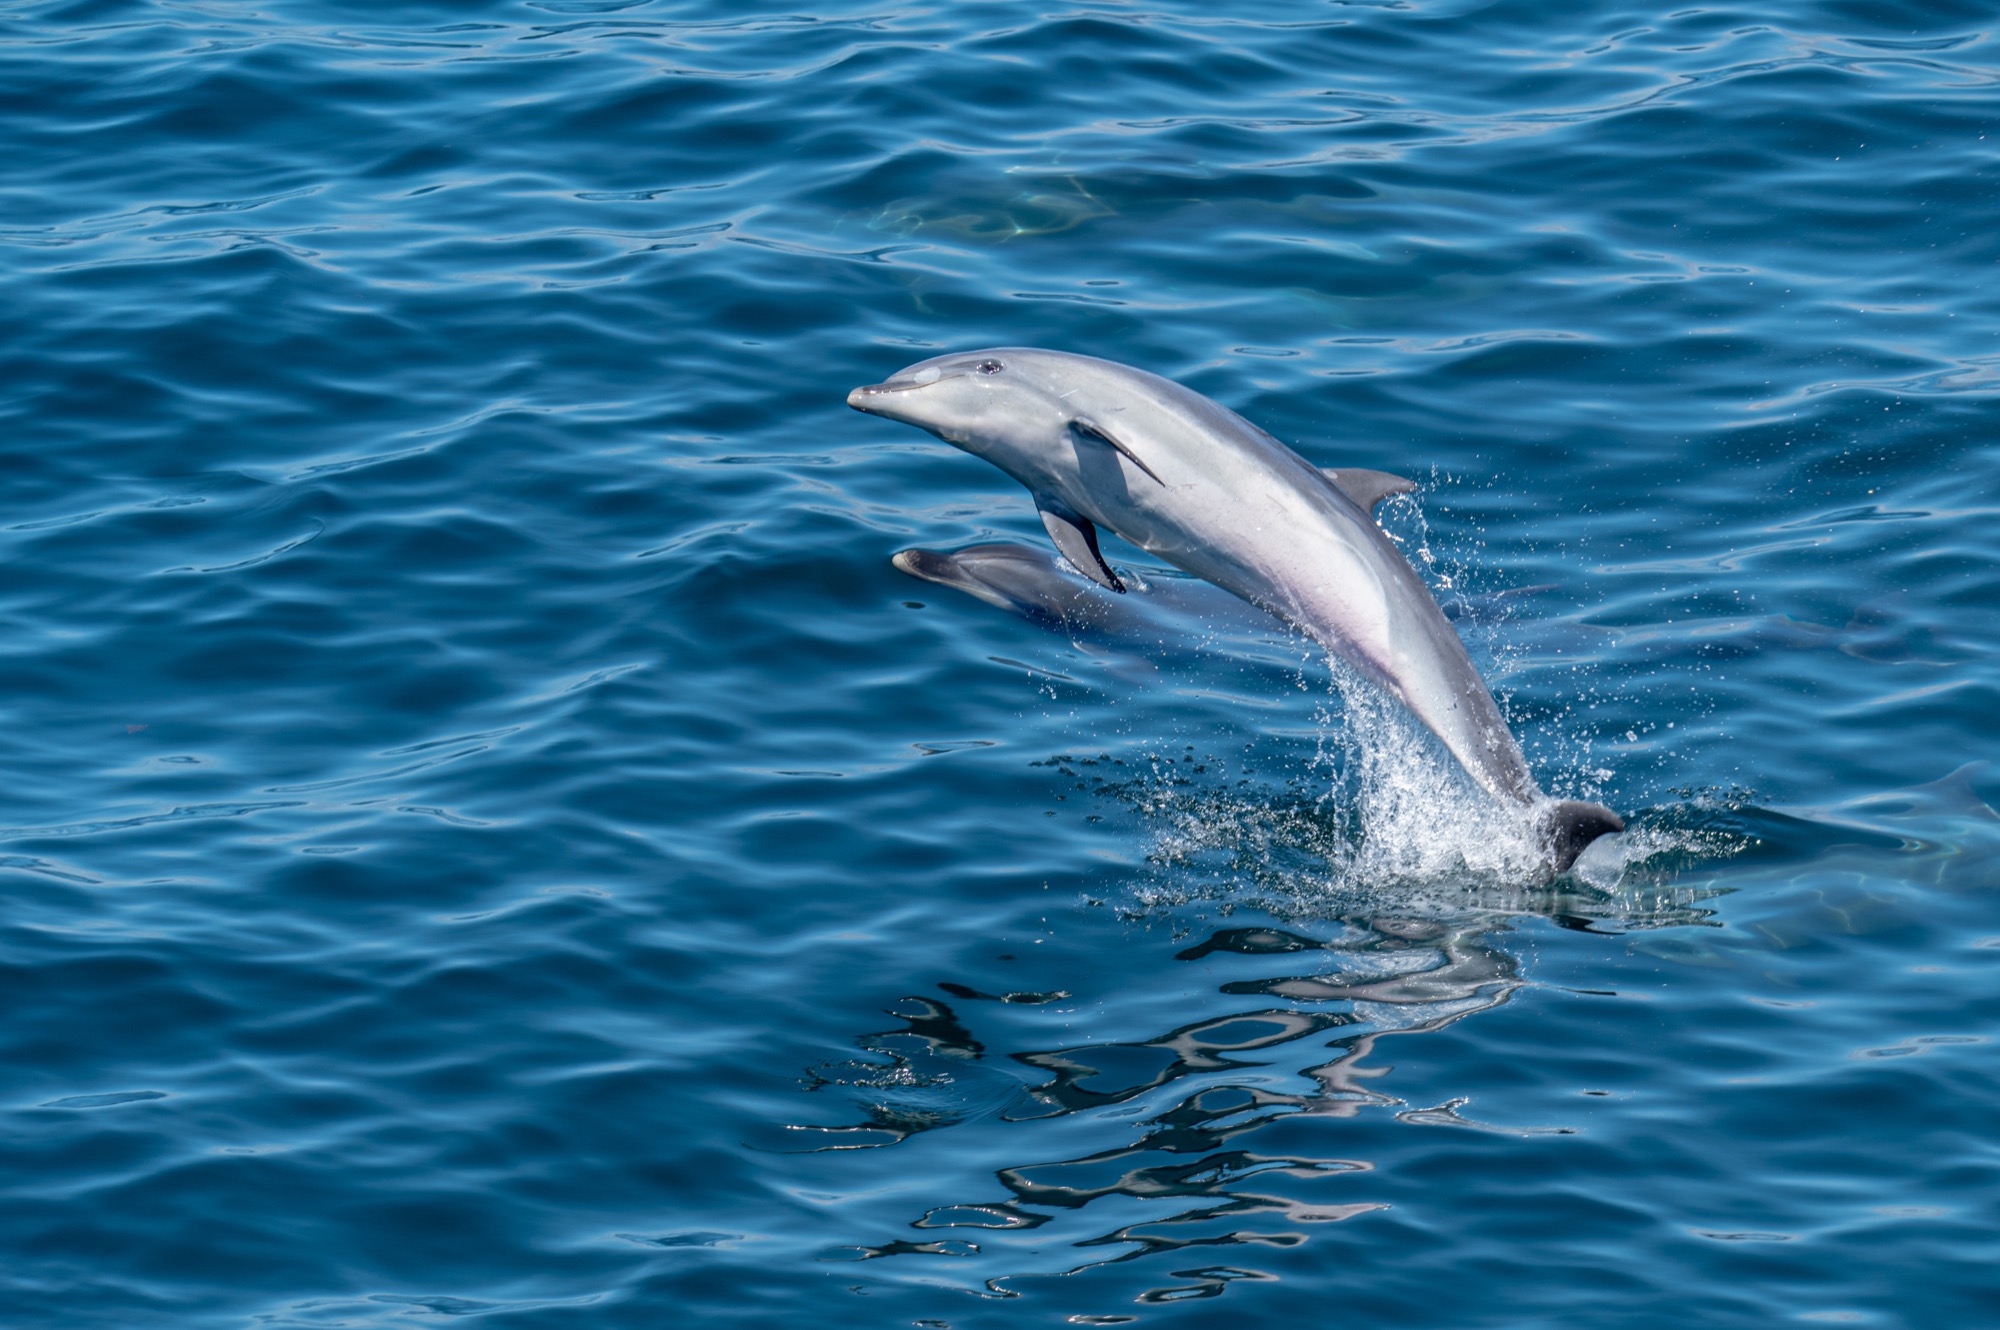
column 1185, row 478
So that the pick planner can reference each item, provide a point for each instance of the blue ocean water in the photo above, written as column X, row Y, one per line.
column 490, row 834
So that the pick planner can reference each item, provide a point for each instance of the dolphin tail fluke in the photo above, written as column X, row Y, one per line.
column 1567, row 825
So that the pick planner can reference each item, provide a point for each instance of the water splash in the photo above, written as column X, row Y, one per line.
column 1417, row 817
column 1378, row 812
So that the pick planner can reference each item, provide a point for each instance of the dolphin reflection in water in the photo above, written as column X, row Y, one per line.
column 1195, row 1125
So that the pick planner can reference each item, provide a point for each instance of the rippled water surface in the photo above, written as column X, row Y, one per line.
column 489, row 832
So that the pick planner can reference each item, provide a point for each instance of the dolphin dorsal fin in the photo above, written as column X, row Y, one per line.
column 1090, row 429
column 1077, row 539
column 1366, row 487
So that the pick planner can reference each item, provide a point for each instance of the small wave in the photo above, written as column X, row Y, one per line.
column 185, row 813
column 369, row 777
column 276, row 551
column 112, row 1100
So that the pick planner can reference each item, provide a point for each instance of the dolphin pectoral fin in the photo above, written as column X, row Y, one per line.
column 1365, row 487
column 1091, row 430
column 1077, row 539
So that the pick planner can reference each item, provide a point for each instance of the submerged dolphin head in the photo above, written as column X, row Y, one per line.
column 1013, row 577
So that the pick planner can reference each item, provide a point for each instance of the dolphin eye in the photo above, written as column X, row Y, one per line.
column 989, row 367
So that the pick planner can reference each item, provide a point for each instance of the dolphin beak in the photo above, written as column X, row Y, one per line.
column 874, row 397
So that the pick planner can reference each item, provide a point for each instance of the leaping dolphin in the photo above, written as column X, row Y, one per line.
column 1185, row 478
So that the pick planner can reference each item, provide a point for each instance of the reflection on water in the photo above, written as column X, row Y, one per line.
column 1175, row 1132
